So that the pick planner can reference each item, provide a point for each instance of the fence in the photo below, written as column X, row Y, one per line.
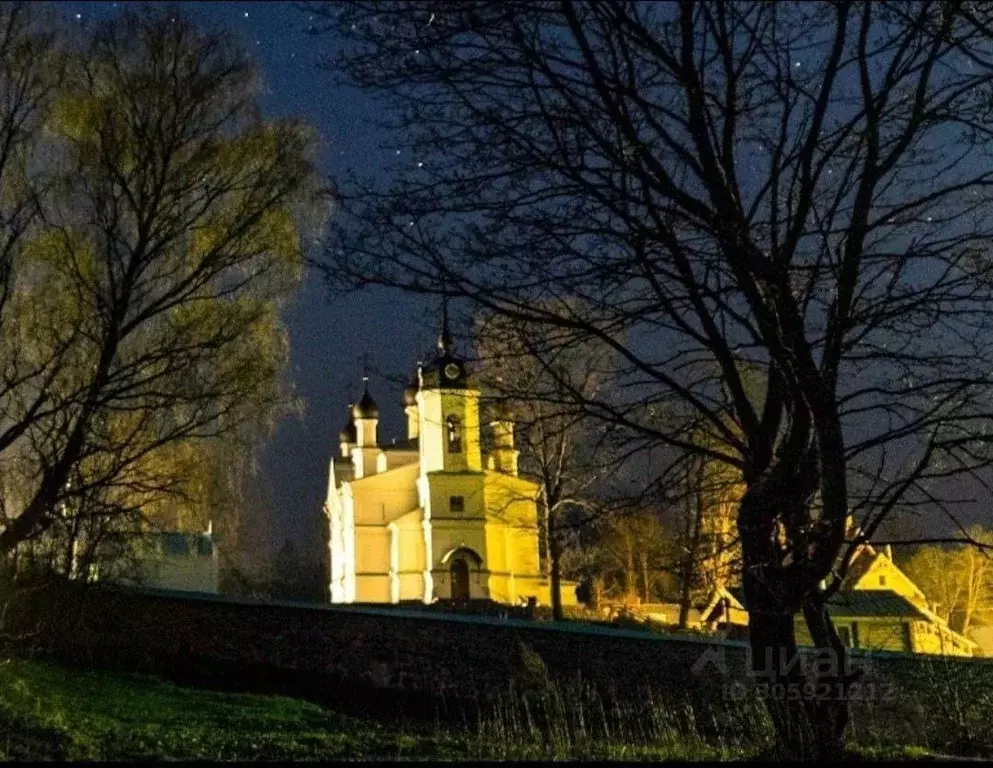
column 407, row 661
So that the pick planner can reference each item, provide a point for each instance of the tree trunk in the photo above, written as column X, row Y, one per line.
column 809, row 711
column 809, row 716
column 71, row 555
column 833, row 673
column 37, row 517
column 554, row 557
column 646, row 596
column 597, row 590
column 685, row 591
column 630, row 573
column 775, row 669
column 970, row 594
column 691, row 561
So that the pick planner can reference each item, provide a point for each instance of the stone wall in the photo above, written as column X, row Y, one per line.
column 446, row 649
column 411, row 659
column 331, row 647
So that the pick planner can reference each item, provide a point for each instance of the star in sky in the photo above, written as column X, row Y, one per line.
column 325, row 339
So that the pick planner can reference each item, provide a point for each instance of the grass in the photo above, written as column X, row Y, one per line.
column 48, row 711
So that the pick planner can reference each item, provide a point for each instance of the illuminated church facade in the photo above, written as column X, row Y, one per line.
column 432, row 518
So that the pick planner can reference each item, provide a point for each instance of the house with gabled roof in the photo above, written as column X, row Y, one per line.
column 877, row 607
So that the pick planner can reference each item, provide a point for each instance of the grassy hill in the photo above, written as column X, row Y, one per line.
column 49, row 711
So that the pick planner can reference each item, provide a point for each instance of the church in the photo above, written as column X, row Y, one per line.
column 431, row 518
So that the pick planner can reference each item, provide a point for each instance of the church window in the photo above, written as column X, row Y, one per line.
column 176, row 544
column 454, row 434
column 456, row 503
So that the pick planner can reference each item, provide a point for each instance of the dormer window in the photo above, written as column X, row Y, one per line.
column 454, row 432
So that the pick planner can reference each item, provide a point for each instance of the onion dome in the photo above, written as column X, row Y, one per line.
column 367, row 408
column 348, row 432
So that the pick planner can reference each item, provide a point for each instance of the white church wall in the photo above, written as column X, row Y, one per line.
column 523, row 551
column 410, row 561
column 512, row 499
column 443, row 486
column 381, row 499
column 372, row 588
column 372, row 551
column 501, row 588
column 395, row 459
column 411, row 585
column 496, row 546
column 434, row 408
column 411, row 549
column 449, row 535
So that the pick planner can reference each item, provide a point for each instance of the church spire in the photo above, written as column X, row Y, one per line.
column 445, row 337
column 446, row 371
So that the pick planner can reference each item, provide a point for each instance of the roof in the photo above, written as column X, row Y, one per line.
column 348, row 433
column 876, row 603
column 366, row 408
column 377, row 477
column 668, row 613
column 412, row 518
column 738, row 594
column 860, row 603
column 859, row 567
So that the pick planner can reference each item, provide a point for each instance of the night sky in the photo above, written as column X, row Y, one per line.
column 327, row 339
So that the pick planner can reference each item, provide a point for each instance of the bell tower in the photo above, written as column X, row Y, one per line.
column 448, row 411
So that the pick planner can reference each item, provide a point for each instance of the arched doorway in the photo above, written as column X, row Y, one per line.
column 460, row 579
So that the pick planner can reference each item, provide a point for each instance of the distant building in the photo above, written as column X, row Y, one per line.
column 164, row 559
column 877, row 607
column 431, row 518
column 186, row 562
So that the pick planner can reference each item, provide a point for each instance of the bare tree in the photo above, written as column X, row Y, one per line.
column 568, row 454
column 714, row 490
column 169, row 242
column 634, row 545
column 958, row 579
column 32, row 69
column 798, row 189
column 705, row 555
